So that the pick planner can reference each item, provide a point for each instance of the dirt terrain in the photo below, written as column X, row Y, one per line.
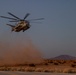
column 52, row 66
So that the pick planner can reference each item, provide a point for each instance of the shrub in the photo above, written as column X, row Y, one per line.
column 73, row 65
column 46, row 63
column 56, row 63
column 32, row 65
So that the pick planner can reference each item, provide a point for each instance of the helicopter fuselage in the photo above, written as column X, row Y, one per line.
column 22, row 25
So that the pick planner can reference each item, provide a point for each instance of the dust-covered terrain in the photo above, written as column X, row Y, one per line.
column 20, row 54
column 51, row 66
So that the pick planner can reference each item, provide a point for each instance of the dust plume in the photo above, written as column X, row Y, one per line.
column 18, row 50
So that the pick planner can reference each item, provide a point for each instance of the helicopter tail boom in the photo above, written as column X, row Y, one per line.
column 10, row 25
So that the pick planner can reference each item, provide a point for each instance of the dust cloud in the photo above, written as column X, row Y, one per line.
column 18, row 50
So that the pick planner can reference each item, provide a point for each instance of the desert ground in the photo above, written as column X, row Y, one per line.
column 47, row 66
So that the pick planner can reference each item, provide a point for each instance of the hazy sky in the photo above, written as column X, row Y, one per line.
column 56, row 35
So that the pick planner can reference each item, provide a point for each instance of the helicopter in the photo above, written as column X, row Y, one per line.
column 21, row 24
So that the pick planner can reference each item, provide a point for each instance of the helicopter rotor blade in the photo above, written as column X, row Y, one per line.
column 8, row 17
column 36, row 22
column 13, row 15
column 14, row 21
column 26, row 16
column 36, row 19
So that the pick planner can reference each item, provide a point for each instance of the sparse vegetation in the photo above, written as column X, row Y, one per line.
column 46, row 63
column 56, row 63
column 57, row 66
column 32, row 65
column 73, row 65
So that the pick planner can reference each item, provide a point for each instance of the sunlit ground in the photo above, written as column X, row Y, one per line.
column 46, row 66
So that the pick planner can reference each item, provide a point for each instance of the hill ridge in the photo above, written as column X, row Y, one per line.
column 64, row 57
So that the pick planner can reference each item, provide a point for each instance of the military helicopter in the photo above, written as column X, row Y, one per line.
column 21, row 24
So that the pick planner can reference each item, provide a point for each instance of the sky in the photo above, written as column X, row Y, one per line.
column 55, row 35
